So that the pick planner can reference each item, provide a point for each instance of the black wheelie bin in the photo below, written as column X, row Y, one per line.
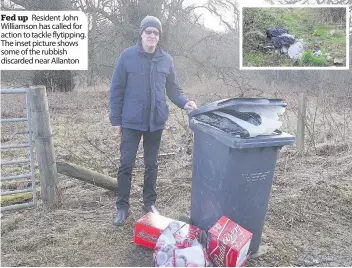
column 232, row 173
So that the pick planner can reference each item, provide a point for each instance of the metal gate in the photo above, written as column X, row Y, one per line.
column 28, row 145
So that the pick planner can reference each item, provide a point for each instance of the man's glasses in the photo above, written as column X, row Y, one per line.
column 149, row 32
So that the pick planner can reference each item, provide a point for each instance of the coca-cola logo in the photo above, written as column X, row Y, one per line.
column 148, row 237
column 219, row 258
column 235, row 237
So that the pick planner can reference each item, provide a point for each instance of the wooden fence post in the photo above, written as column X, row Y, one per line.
column 44, row 146
column 301, row 122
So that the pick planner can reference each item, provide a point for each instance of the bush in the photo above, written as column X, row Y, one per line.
column 309, row 59
column 55, row 80
column 259, row 19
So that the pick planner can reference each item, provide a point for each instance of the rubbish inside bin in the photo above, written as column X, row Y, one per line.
column 245, row 121
column 223, row 124
column 250, row 117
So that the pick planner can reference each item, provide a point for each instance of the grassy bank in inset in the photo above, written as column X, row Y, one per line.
column 305, row 24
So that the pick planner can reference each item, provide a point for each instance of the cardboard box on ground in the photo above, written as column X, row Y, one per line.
column 228, row 243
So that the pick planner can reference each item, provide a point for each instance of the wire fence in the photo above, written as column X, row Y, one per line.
column 80, row 121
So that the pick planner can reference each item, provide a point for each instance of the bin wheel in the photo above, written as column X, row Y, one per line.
column 185, row 219
column 203, row 239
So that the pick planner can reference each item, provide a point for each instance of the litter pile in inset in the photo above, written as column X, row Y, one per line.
column 281, row 39
column 284, row 42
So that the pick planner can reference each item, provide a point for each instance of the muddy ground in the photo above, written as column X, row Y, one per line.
column 308, row 222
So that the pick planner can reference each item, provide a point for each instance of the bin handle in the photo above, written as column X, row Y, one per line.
column 251, row 101
column 224, row 101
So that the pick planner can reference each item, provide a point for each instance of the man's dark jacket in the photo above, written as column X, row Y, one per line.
column 136, row 104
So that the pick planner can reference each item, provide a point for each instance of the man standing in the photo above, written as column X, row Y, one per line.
column 138, row 108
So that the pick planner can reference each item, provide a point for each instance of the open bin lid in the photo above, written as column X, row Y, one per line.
column 236, row 102
column 278, row 138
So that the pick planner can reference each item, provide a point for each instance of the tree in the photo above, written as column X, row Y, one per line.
column 114, row 25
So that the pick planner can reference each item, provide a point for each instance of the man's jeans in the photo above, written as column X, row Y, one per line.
column 128, row 148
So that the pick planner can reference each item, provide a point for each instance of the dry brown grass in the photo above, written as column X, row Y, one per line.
column 309, row 216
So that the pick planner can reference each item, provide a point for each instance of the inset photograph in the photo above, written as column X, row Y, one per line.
column 310, row 37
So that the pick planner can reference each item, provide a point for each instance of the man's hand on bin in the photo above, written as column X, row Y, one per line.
column 191, row 105
column 117, row 130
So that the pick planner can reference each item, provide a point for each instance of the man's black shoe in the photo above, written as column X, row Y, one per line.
column 150, row 208
column 121, row 216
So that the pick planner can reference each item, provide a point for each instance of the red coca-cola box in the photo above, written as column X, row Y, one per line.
column 148, row 229
column 150, row 226
column 228, row 243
